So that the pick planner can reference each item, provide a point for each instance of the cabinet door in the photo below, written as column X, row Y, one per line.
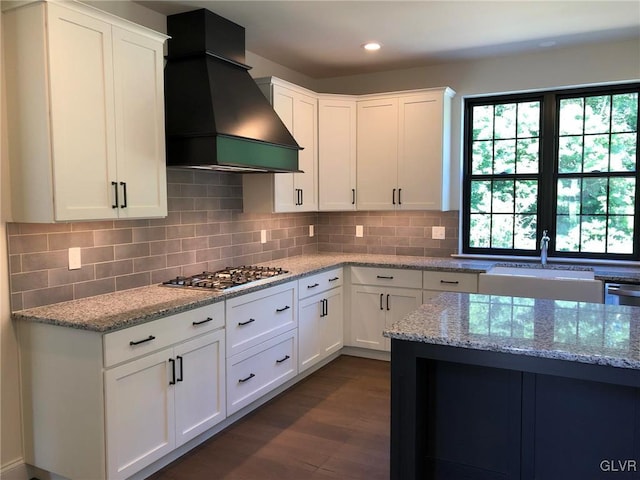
column 398, row 303
column 336, row 154
column 200, row 397
column 82, row 116
column 139, row 100
column 305, row 131
column 377, row 154
column 420, row 152
column 139, row 406
column 309, row 331
column 283, row 101
column 333, row 322
column 367, row 317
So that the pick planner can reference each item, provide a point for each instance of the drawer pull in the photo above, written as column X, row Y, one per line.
column 334, row 279
column 313, row 286
column 286, row 357
column 242, row 380
column 384, row 277
column 208, row 319
column 173, row 371
column 151, row 337
column 287, row 307
column 242, row 324
column 449, row 282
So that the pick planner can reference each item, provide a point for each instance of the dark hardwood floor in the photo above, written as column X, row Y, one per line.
column 332, row 425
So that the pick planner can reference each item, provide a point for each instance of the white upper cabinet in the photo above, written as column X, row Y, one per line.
column 288, row 192
column 336, row 152
column 403, row 151
column 86, row 101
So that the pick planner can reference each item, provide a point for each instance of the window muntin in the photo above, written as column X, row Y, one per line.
column 564, row 161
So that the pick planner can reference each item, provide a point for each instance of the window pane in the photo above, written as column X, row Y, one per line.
column 502, row 231
column 568, row 199
column 594, row 196
column 525, row 232
column 623, row 152
column 571, row 116
column 592, row 238
column 528, row 119
column 597, row 114
column 622, row 192
column 568, row 233
column 482, row 161
column 526, row 196
column 527, row 155
column 620, row 234
column 596, row 153
column 483, row 122
column 625, row 113
column 505, row 161
column 570, row 154
column 503, row 196
column 480, row 231
column 481, row 196
column 505, row 121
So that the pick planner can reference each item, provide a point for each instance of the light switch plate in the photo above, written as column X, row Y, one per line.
column 75, row 260
column 359, row 231
column 437, row 233
column 311, row 230
column 263, row 236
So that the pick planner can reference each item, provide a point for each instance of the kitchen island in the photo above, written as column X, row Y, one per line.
column 493, row 387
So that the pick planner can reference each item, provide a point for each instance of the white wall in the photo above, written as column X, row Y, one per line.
column 561, row 67
column 10, row 412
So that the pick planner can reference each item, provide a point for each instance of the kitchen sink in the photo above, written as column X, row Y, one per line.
column 540, row 272
column 541, row 282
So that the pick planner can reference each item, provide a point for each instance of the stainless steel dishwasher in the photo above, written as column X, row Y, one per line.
column 622, row 294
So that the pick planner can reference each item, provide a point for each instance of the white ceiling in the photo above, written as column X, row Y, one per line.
column 324, row 38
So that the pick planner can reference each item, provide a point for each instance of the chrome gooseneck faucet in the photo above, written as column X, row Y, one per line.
column 544, row 247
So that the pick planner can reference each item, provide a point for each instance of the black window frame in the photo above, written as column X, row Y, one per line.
column 548, row 169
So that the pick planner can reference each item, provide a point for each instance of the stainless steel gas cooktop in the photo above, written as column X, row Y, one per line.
column 226, row 278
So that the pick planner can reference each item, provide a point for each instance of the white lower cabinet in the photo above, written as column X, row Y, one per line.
column 262, row 346
column 160, row 401
column 379, row 297
column 320, row 327
column 104, row 406
column 374, row 308
column 258, row 370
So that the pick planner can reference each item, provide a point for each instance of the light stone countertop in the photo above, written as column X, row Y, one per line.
column 556, row 329
column 113, row 311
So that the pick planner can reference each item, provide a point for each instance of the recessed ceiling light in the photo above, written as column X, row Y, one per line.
column 371, row 46
column 548, row 43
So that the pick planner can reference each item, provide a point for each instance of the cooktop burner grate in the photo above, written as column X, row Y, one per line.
column 226, row 278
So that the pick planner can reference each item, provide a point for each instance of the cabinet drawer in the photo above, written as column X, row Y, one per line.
column 258, row 316
column 386, row 277
column 260, row 369
column 451, row 281
column 133, row 342
column 320, row 282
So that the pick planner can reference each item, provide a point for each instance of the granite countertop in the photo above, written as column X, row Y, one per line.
column 113, row 311
column 565, row 330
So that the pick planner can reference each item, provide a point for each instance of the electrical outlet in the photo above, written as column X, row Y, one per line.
column 359, row 231
column 263, row 236
column 75, row 260
column 437, row 233
column 311, row 230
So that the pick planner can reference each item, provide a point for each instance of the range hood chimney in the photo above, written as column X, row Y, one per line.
column 216, row 116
